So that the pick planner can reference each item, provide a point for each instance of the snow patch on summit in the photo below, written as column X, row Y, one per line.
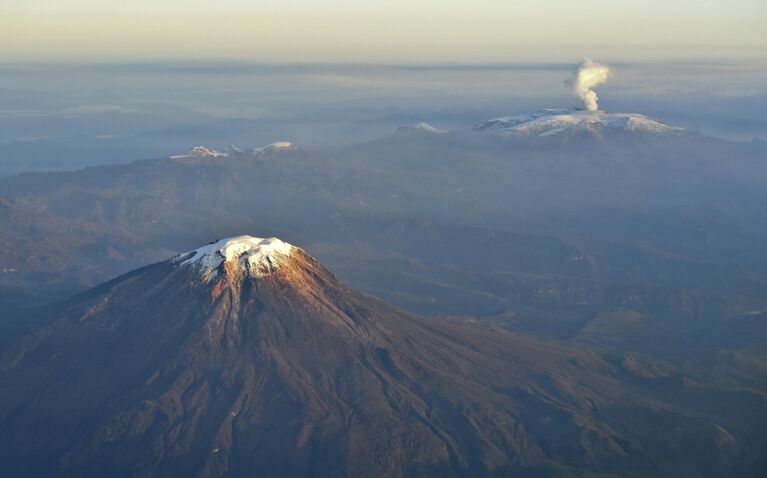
column 276, row 147
column 551, row 121
column 255, row 255
column 199, row 152
column 202, row 153
column 420, row 127
column 427, row 127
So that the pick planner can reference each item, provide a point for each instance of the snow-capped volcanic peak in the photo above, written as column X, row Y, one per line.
column 420, row 128
column 199, row 152
column 202, row 153
column 255, row 256
column 276, row 147
column 550, row 122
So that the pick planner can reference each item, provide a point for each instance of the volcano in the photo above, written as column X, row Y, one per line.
column 570, row 121
column 246, row 357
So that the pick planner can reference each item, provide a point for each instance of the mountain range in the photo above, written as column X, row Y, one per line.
column 670, row 191
column 564, row 293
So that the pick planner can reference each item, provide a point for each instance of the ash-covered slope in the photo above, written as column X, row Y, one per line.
column 248, row 358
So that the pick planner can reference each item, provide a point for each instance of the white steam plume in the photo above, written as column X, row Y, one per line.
column 589, row 75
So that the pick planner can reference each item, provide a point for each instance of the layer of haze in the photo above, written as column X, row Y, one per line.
column 67, row 115
column 87, row 82
column 393, row 31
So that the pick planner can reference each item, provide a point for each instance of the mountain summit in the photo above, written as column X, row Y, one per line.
column 422, row 128
column 198, row 153
column 554, row 121
column 203, row 153
column 246, row 357
column 253, row 256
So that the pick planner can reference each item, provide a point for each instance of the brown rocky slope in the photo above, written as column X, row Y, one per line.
column 248, row 358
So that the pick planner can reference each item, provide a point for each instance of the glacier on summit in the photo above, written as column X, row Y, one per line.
column 554, row 121
column 256, row 256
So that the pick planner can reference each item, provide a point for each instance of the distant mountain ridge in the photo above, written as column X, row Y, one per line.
column 550, row 122
column 62, row 232
column 203, row 152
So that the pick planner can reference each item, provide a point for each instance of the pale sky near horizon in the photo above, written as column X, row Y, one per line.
column 391, row 31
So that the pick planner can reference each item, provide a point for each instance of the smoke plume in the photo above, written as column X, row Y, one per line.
column 589, row 75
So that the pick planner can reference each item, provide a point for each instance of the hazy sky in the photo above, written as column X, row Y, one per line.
column 374, row 31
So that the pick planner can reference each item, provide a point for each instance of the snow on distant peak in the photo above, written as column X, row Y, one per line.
column 255, row 256
column 420, row 128
column 426, row 127
column 553, row 121
column 199, row 152
column 276, row 147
